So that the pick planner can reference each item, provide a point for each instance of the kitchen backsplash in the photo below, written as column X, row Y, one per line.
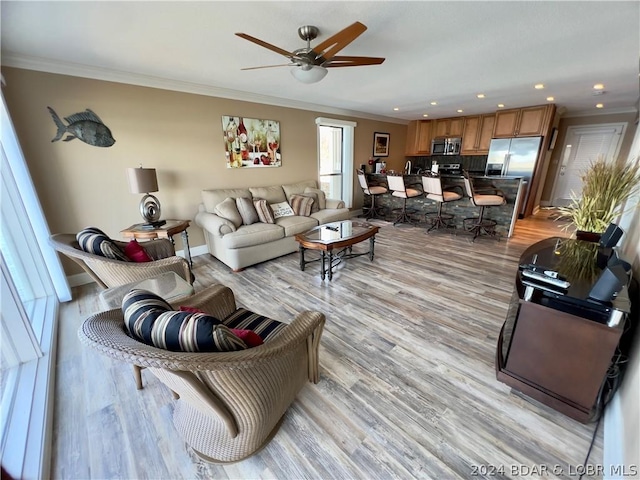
column 473, row 163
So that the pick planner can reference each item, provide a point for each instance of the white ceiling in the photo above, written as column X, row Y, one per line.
column 435, row 51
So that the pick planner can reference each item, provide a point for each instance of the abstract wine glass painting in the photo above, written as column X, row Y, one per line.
column 251, row 142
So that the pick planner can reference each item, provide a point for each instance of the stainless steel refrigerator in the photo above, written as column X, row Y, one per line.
column 515, row 157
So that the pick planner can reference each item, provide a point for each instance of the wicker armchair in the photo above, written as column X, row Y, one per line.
column 229, row 405
column 110, row 273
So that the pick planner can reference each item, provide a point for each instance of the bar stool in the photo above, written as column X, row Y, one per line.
column 432, row 186
column 401, row 190
column 373, row 191
column 487, row 197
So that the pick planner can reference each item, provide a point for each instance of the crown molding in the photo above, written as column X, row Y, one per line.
column 99, row 73
column 600, row 111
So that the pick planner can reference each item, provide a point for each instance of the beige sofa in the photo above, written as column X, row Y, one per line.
column 240, row 247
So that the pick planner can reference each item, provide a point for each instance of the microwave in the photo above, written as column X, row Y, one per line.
column 446, row 146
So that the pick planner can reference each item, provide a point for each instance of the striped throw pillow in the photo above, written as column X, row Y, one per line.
column 301, row 204
column 93, row 240
column 265, row 214
column 151, row 320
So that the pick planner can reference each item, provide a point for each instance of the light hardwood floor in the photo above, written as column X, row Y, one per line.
column 407, row 383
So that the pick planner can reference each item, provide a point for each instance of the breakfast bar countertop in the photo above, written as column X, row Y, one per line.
column 505, row 215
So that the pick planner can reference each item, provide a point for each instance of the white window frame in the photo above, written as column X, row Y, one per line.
column 348, row 134
column 29, row 324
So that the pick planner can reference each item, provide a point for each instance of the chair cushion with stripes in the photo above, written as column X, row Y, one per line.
column 93, row 240
column 151, row 320
column 247, row 320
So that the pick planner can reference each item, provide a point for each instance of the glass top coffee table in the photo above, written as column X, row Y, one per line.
column 334, row 240
column 169, row 286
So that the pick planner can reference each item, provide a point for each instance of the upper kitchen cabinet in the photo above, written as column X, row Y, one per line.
column 418, row 138
column 477, row 133
column 448, row 127
column 523, row 122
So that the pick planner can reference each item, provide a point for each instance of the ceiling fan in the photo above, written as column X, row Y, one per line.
column 311, row 63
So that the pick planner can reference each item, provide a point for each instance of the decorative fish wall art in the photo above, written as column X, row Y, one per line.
column 85, row 126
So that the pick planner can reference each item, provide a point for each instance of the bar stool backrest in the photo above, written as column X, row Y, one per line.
column 432, row 186
column 396, row 183
column 363, row 180
column 468, row 186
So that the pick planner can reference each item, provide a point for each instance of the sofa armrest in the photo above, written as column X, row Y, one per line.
column 333, row 203
column 214, row 224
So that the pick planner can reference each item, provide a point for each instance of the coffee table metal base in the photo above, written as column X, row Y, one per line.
column 328, row 260
column 335, row 242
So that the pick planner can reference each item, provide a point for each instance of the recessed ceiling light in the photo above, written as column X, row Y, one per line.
column 598, row 86
column 550, row 99
column 425, row 114
column 434, row 103
column 501, row 105
column 459, row 110
column 395, row 109
column 480, row 95
column 599, row 105
column 538, row 86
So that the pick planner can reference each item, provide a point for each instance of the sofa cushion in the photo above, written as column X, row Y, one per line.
column 282, row 209
column 247, row 210
column 296, row 224
column 213, row 197
column 314, row 196
column 255, row 234
column 301, row 204
column 245, row 319
column 228, row 209
column 296, row 188
column 151, row 320
column 93, row 240
column 265, row 214
column 329, row 215
column 322, row 198
column 273, row 194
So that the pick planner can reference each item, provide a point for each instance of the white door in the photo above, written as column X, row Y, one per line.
column 582, row 146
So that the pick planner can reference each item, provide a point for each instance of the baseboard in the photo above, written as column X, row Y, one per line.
column 195, row 251
column 84, row 278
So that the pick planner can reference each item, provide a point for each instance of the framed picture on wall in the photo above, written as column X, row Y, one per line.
column 381, row 144
column 251, row 142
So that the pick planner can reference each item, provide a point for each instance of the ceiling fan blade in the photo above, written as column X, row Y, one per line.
column 273, row 48
column 270, row 66
column 337, row 42
column 342, row 61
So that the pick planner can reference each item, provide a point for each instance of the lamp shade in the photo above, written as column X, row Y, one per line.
column 142, row 180
column 309, row 73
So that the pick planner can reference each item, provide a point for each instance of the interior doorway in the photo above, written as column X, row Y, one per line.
column 582, row 146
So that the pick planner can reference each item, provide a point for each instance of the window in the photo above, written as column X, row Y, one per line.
column 335, row 158
column 32, row 283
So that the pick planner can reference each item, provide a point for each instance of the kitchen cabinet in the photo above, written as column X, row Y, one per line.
column 523, row 122
column 418, row 138
column 448, row 127
column 477, row 134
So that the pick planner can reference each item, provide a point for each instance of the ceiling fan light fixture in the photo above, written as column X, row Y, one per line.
column 309, row 73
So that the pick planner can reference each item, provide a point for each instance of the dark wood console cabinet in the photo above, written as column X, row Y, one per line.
column 558, row 348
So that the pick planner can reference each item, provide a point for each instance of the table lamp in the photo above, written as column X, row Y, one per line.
column 144, row 180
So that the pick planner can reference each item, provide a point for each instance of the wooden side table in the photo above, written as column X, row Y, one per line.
column 168, row 230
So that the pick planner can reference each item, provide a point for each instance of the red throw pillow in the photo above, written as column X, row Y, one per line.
column 134, row 252
column 251, row 338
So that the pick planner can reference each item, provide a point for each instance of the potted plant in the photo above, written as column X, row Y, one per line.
column 606, row 187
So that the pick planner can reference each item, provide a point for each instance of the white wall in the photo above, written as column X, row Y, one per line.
column 622, row 417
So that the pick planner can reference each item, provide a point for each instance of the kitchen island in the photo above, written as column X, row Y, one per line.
column 505, row 216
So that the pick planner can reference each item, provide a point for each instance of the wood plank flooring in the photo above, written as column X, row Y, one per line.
column 407, row 383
